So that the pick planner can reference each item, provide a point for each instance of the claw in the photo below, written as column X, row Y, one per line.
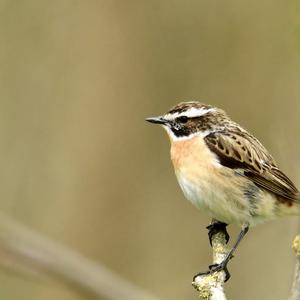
column 220, row 267
column 215, row 268
column 200, row 274
column 215, row 228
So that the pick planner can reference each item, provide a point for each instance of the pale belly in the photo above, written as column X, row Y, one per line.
column 220, row 203
column 234, row 202
column 222, row 192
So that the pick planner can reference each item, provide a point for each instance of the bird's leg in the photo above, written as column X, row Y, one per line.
column 215, row 227
column 223, row 265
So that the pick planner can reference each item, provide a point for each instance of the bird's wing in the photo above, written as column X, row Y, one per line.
column 239, row 150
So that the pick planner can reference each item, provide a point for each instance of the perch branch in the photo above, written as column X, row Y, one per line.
column 26, row 252
column 295, row 291
column 211, row 286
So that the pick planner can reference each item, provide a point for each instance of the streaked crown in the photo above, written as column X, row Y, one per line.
column 189, row 118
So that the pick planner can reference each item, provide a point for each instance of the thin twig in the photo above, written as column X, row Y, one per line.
column 211, row 286
column 295, row 291
column 24, row 250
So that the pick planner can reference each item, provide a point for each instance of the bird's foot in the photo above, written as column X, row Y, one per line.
column 220, row 267
column 215, row 268
column 215, row 228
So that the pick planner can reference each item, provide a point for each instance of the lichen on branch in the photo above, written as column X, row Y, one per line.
column 211, row 286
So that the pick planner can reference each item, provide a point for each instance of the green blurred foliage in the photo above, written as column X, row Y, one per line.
column 80, row 165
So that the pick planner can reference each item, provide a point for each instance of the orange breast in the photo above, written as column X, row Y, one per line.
column 191, row 153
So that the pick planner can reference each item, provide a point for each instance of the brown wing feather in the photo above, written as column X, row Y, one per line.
column 240, row 150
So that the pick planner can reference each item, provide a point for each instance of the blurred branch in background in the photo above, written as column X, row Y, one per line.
column 25, row 251
column 295, row 291
column 211, row 286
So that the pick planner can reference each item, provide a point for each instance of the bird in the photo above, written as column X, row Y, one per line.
column 225, row 171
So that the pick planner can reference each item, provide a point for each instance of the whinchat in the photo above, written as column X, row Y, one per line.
column 224, row 170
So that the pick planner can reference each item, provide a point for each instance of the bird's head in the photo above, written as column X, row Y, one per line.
column 188, row 119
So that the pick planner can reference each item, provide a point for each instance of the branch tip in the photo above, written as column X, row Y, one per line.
column 296, row 245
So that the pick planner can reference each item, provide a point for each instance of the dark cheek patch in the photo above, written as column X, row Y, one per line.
column 180, row 132
column 196, row 124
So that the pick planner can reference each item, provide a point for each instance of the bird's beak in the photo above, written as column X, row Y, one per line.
column 157, row 120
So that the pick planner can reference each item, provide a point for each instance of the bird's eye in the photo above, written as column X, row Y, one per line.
column 182, row 119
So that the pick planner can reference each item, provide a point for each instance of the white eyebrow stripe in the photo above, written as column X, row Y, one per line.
column 190, row 113
column 196, row 112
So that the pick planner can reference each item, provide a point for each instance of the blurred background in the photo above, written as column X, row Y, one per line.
column 80, row 165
